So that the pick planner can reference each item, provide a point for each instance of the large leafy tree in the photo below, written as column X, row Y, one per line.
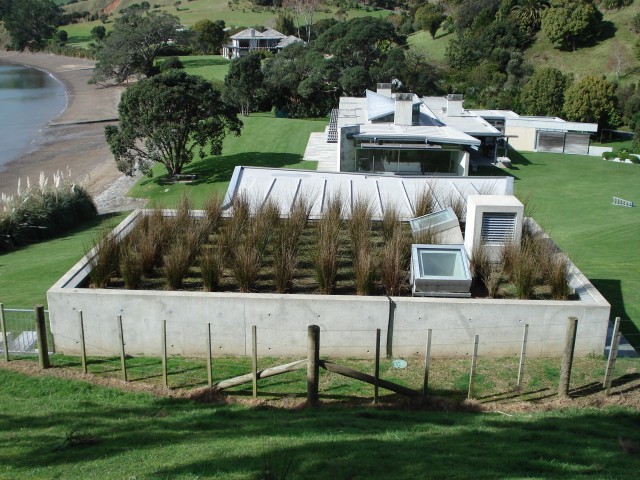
column 429, row 17
column 568, row 23
column 30, row 23
column 134, row 44
column 302, row 82
column 208, row 36
column 167, row 119
column 592, row 99
column 243, row 82
column 360, row 41
column 544, row 93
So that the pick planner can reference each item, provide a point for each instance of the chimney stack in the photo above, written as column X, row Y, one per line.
column 454, row 105
column 404, row 109
column 384, row 89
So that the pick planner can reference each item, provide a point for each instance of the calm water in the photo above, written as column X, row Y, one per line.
column 29, row 98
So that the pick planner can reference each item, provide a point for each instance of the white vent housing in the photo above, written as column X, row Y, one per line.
column 494, row 221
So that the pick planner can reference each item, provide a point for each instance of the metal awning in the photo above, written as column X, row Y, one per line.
column 399, row 146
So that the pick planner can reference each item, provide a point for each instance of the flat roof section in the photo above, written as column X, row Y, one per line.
column 284, row 186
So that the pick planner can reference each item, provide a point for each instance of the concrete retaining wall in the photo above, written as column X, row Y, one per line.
column 347, row 323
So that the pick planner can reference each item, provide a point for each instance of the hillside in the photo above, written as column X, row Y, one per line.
column 592, row 60
column 234, row 13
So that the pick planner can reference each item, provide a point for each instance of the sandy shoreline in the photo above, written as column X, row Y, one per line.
column 74, row 141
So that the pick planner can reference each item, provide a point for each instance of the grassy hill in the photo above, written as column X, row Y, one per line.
column 234, row 13
column 593, row 60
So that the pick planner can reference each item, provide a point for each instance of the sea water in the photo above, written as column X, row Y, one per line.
column 29, row 99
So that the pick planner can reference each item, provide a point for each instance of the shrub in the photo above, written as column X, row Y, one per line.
column 40, row 211
column 171, row 62
column 608, row 155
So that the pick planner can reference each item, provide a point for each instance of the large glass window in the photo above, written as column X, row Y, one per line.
column 419, row 161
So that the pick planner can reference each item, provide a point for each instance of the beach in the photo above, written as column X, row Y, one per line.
column 74, row 141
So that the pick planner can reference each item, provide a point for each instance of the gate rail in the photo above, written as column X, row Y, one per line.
column 20, row 329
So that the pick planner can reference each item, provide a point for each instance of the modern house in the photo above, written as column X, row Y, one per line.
column 251, row 39
column 405, row 134
column 400, row 134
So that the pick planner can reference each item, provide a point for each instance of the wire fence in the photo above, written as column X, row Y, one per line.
column 20, row 331
column 479, row 356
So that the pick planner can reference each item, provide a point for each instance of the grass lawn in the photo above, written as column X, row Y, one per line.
column 27, row 273
column 211, row 67
column 422, row 43
column 571, row 199
column 265, row 142
column 86, row 431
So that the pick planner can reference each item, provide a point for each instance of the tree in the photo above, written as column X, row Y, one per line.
column 209, row 36
column 544, row 93
column 360, row 41
column 98, row 33
column 429, row 17
column 528, row 13
column 167, row 119
column 133, row 45
column 303, row 10
column 592, row 99
column 566, row 23
column 31, row 23
column 243, row 82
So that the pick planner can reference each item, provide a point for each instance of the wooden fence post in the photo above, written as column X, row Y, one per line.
column 313, row 363
column 83, row 349
column 165, row 376
column 613, row 355
column 567, row 357
column 41, row 332
column 377, row 368
column 427, row 363
column 474, row 359
column 523, row 352
column 254, row 360
column 209, row 366
column 5, row 346
column 123, row 362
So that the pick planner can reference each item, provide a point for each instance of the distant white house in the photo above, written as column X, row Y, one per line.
column 251, row 39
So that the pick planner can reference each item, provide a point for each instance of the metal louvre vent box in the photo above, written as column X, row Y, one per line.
column 493, row 221
column 444, row 223
column 440, row 271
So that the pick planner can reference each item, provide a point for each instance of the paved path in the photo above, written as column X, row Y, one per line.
column 318, row 150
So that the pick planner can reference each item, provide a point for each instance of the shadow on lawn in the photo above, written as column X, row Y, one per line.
column 612, row 290
column 214, row 170
column 204, row 62
column 319, row 443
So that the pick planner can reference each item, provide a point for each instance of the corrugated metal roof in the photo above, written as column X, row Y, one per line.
column 285, row 185
column 253, row 33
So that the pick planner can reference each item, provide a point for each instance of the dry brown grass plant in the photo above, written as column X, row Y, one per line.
column 425, row 201
column 390, row 221
column 106, row 261
column 130, row 263
column 211, row 267
column 394, row 262
column 329, row 228
column 286, row 244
